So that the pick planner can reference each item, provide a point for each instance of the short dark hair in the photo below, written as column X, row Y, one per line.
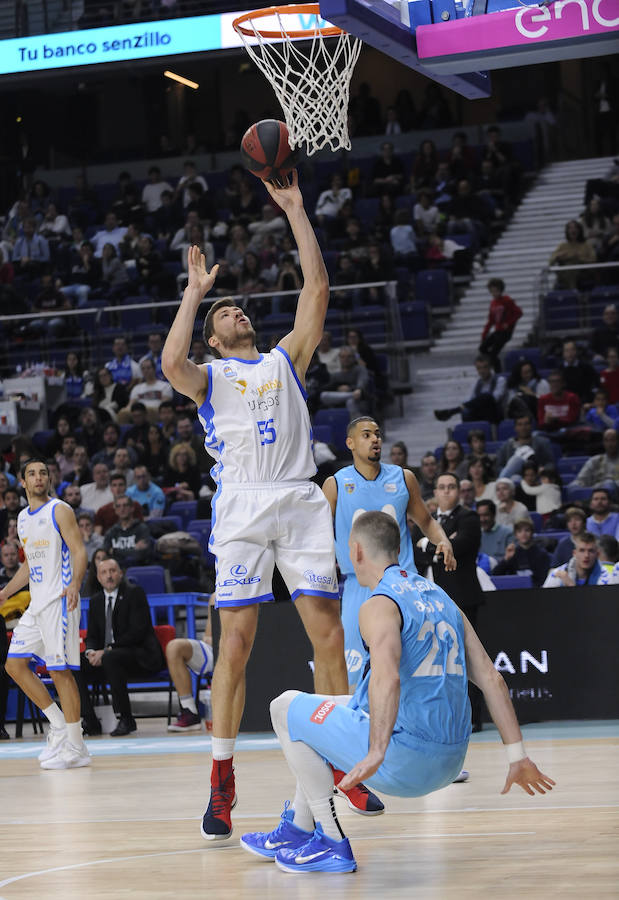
column 483, row 357
column 587, row 538
column 378, row 531
column 602, row 490
column 207, row 330
column 166, row 404
column 489, row 503
column 476, row 433
column 609, row 545
column 496, row 282
column 447, row 475
column 116, row 476
column 138, row 405
column 354, row 422
column 29, row 461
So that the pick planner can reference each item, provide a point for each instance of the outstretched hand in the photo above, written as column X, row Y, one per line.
column 447, row 551
column 361, row 771
column 289, row 195
column 528, row 776
column 199, row 279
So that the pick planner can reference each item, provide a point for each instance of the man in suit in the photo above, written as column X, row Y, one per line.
column 462, row 527
column 120, row 644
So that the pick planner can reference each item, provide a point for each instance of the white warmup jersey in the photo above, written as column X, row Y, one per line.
column 48, row 556
column 256, row 421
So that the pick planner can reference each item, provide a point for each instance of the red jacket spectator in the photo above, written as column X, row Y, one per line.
column 559, row 408
column 609, row 377
column 502, row 315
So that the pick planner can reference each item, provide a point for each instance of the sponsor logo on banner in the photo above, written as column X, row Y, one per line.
column 321, row 712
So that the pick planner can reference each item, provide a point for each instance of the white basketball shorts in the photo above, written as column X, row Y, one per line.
column 51, row 636
column 257, row 526
column 201, row 661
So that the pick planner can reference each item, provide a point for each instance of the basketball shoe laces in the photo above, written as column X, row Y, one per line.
column 222, row 797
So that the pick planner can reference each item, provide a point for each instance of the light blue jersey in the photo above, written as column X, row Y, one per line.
column 434, row 703
column 387, row 493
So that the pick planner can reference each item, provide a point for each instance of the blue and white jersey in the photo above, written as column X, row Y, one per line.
column 388, row 493
column 256, row 421
column 434, row 703
column 48, row 556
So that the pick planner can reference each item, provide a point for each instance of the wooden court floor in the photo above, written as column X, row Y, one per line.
column 129, row 827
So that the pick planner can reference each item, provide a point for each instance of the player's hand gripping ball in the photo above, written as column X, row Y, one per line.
column 266, row 153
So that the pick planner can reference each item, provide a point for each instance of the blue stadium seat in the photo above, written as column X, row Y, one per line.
column 511, row 582
column 186, row 509
column 201, row 525
column 323, row 433
column 561, row 310
column 570, row 466
column 538, row 522
column 575, row 492
column 41, row 438
column 150, row 578
column 461, row 430
column 511, row 357
column 415, row 319
column 433, row 286
column 505, row 429
column 338, row 420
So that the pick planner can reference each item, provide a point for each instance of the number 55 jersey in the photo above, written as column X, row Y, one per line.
column 434, row 704
column 49, row 560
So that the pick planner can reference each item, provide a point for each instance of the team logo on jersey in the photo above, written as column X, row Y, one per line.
column 321, row 712
column 349, row 487
column 390, row 487
column 240, row 385
column 229, row 371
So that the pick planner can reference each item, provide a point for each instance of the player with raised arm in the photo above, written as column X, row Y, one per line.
column 406, row 729
column 265, row 510
column 48, row 631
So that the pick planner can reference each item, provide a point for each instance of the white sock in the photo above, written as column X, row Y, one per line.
column 303, row 817
column 314, row 775
column 188, row 702
column 55, row 715
column 222, row 748
column 74, row 733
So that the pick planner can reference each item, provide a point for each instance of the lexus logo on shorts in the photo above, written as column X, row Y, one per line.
column 238, row 570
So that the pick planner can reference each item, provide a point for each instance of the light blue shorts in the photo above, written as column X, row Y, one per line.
column 352, row 599
column 341, row 735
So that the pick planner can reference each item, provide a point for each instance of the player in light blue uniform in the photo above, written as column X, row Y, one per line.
column 370, row 484
column 406, row 729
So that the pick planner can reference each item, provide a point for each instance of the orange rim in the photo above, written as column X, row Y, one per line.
column 294, row 8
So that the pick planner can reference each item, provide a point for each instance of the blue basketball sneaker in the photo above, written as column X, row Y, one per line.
column 319, row 854
column 287, row 834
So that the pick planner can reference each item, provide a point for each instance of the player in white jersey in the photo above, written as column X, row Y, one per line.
column 265, row 509
column 48, row 631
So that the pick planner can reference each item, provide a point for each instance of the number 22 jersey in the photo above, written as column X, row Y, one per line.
column 256, row 421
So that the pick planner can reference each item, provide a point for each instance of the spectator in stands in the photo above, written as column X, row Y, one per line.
column 439, row 249
column 476, row 439
column 185, row 434
column 129, row 541
column 426, row 215
column 525, row 556
column 124, row 369
column 524, row 387
column 65, row 457
column 164, row 221
column 61, row 430
column 197, row 237
column 136, row 435
column 402, row 239
column 355, row 242
column 182, row 478
column 271, row 222
column 467, row 494
column 92, row 540
column 547, row 493
column 435, row 111
column 190, row 176
column 331, row 201
column 602, row 414
column 480, row 473
column 111, row 233
column 594, row 223
column 106, row 515
column 490, row 187
column 351, row 386
column 398, row 455
column 575, row 520
column 452, row 459
column 582, row 568
column 602, row 520
column 151, row 192
column 461, row 157
column 150, row 391
column 167, row 420
column 427, row 474
column 602, row 470
column 486, row 400
column 608, row 552
column 98, row 492
column 155, row 456
column 90, row 433
column 387, row 176
column 609, row 377
column 328, row 354
column 579, row 376
column 466, row 211
column 54, row 226
column 494, row 538
column 109, row 396
column 123, row 464
column 182, row 236
column 392, row 125
column 364, row 353
column 425, row 165
column 499, row 328
column 81, row 472
column 610, row 243
column 72, row 495
column 559, row 408
column 132, row 651
column 50, row 299
column 114, row 275
column 238, row 244
column 30, row 251
column 148, row 494
column 10, row 563
column 523, row 446
column 573, row 251
column 77, row 381
column 606, row 336
column 85, row 275
column 155, row 346
column 246, row 206
column 508, row 509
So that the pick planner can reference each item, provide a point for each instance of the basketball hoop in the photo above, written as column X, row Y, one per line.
column 311, row 82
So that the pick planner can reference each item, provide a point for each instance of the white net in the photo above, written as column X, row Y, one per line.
column 311, row 81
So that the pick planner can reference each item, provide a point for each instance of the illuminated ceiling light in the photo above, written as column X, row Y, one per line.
column 181, row 80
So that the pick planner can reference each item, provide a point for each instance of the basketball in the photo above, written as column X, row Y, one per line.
column 265, row 150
